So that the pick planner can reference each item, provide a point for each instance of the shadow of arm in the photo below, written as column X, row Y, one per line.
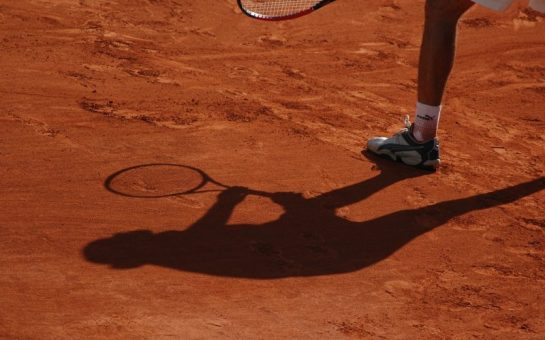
column 388, row 233
column 453, row 208
column 221, row 211
column 359, row 191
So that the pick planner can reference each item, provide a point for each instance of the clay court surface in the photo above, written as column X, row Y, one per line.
column 338, row 245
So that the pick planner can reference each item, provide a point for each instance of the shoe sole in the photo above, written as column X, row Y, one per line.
column 430, row 165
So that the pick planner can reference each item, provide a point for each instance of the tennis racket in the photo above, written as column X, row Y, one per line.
column 280, row 9
column 158, row 180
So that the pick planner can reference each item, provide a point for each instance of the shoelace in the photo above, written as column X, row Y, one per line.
column 407, row 123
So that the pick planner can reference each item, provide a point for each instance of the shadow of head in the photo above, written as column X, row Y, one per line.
column 121, row 251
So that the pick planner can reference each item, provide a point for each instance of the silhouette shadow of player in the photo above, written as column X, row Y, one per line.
column 308, row 239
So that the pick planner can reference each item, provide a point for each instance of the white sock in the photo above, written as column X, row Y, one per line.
column 426, row 121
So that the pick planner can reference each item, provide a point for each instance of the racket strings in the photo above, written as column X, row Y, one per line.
column 277, row 8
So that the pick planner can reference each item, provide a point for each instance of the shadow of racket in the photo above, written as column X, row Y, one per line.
column 159, row 180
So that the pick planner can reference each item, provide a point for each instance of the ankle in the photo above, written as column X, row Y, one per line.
column 426, row 122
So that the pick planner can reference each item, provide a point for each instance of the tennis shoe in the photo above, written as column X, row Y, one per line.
column 403, row 147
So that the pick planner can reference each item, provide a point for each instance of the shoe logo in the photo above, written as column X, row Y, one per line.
column 426, row 117
column 400, row 148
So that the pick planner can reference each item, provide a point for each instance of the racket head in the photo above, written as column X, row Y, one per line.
column 274, row 10
column 157, row 180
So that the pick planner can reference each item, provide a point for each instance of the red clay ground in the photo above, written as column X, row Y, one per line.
column 89, row 88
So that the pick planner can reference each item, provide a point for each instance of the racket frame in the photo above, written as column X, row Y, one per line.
column 258, row 16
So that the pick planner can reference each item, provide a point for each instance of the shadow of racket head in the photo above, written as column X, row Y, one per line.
column 157, row 180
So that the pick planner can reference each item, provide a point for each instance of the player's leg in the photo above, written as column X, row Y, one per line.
column 436, row 60
column 416, row 145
